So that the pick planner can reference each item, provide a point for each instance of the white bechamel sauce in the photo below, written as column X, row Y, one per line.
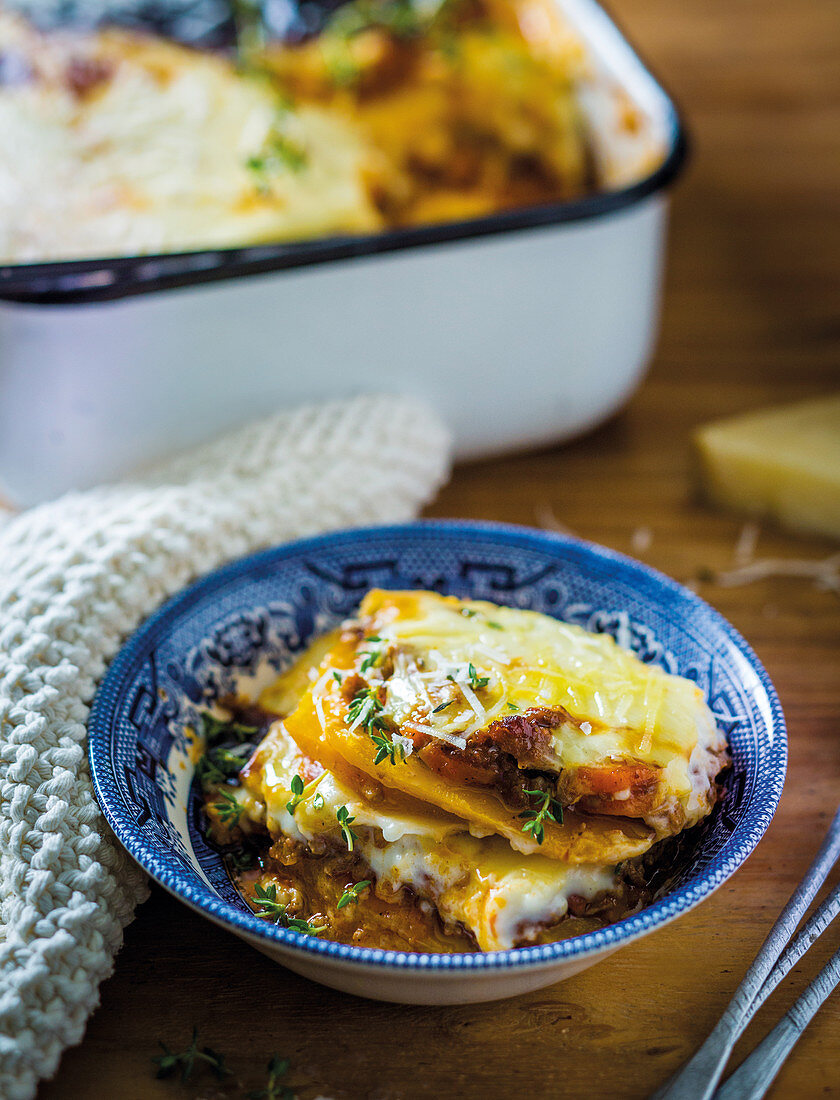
column 500, row 895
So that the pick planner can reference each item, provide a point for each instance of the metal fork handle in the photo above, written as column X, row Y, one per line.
column 754, row 1076
column 805, row 940
column 698, row 1077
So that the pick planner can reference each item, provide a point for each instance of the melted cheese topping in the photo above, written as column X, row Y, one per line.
column 321, row 727
column 155, row 156
column 361, row 706
column 622, row 708
column 501, row 897
column 268, row 778
column 119, row 143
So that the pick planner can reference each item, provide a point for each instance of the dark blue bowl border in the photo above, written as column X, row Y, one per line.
column 742, row 842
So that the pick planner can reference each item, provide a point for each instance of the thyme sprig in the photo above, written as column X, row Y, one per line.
column 216, row 730
column 476, row 682
column 385, row 747
column 243, row 859
column 279, row 153
column 345, row 821
column 401, row 18
column 220, row 764
column 229, row 809
column 302, row 791
column 546, row 810
column 353, row 892
column 169, row 1063
column 271, row 908
column 187, row 1061
column 275, row 1089
column 372, row 657
column 265, row 899
column 364, row 708
column 364, row 711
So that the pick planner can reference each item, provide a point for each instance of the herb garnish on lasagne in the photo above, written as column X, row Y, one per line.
column 442, row 774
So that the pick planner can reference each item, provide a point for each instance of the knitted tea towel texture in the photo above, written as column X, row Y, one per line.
column 76, row 577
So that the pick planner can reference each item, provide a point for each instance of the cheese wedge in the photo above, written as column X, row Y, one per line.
column 781, row 464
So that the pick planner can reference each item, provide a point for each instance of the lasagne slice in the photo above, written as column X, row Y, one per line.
column 414, row 877
column 553, row 737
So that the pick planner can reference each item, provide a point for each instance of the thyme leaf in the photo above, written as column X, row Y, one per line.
column 370, row 659
column 279, row 153
column 546, row 810
column 274, row 1089
column 352, row 893
column 476, row 682
column 345, row 821
column 301, row 791
column 229, row 809
column 169, row 1063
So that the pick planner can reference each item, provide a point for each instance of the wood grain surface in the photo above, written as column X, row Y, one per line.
column 750, row 317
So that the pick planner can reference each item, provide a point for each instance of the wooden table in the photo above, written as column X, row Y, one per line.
column 750, row 318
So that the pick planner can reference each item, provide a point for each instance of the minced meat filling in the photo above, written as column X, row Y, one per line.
column 509, row 757
column 484, row 764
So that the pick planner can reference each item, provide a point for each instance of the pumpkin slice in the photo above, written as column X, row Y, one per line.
column 321, row 727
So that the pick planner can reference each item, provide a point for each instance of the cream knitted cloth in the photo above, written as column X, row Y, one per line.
column 76, row 577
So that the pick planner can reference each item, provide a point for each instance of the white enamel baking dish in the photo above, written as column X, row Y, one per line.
column 523, row 329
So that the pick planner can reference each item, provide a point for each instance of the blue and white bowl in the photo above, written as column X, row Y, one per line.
column 237, row 627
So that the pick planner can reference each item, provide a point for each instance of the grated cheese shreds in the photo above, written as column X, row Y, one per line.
column 824, row 572
column 744, row 551
column 317, row 696
column 472, row 699
column 442, row 735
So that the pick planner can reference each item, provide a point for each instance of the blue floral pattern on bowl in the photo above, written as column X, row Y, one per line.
column 233, row 631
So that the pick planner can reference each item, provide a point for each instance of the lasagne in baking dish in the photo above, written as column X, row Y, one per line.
column 444, row 775
column 397, row 113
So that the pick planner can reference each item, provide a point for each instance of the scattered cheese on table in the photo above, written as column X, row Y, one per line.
column 780, row 463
